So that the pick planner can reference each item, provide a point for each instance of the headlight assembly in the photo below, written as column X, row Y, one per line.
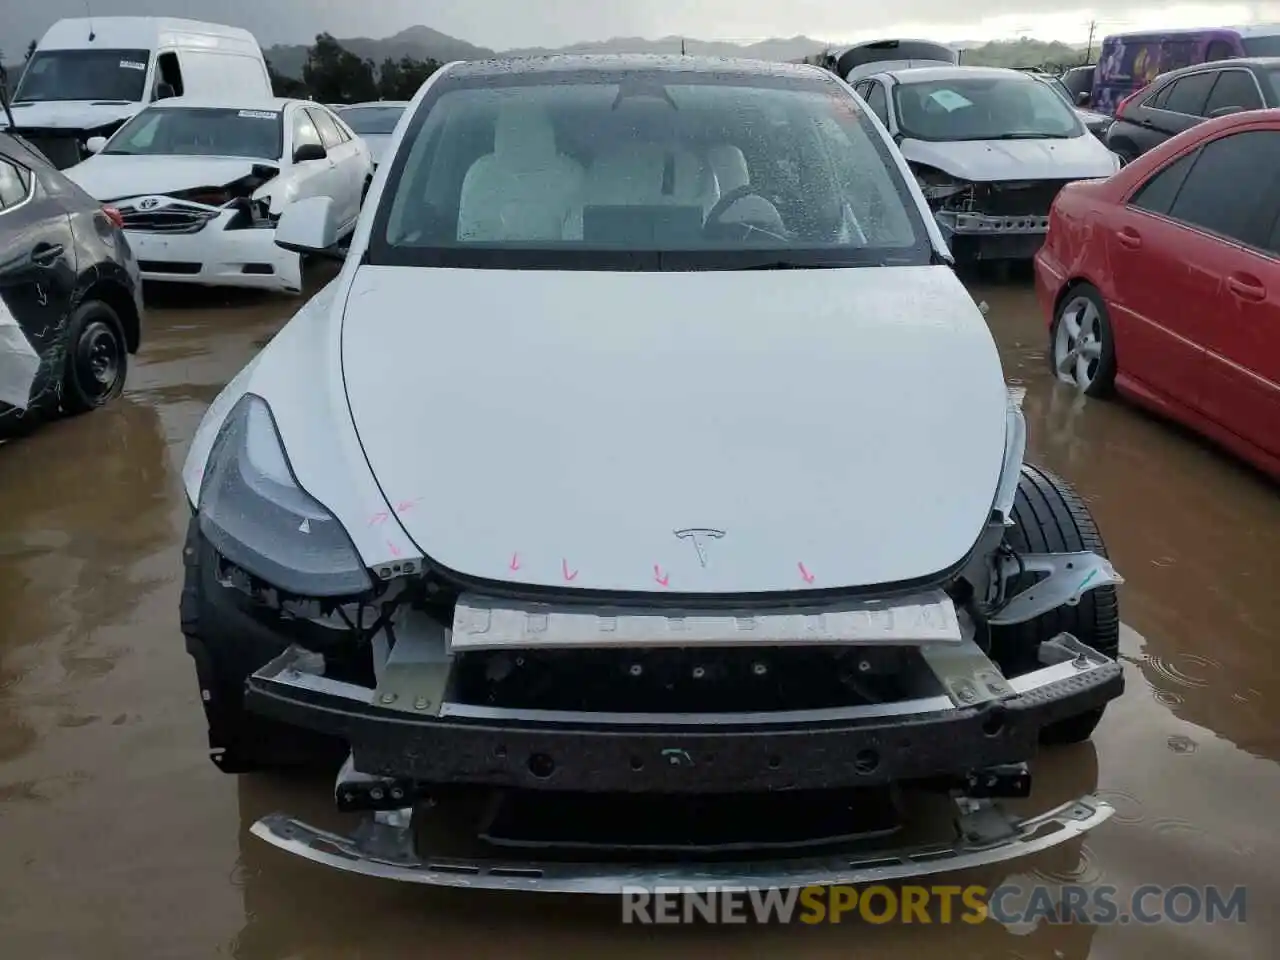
column 254, row 513
column 937, row 185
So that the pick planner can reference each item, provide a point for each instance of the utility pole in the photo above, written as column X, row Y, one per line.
column 682, row 46
column 1088, row 56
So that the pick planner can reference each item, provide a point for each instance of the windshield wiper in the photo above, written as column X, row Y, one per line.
column 1028, row 135
column 792, row 265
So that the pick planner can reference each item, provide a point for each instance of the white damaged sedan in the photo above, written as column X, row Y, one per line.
column 646, row 457
column 201, row 184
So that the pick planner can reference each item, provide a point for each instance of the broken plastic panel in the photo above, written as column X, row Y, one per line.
column 1067, row 577
column 19, row 362
column 254, row 512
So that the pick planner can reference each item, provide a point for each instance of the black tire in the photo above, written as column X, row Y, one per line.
column 97, row 361
column 1073, row 301
column 229, row 640
column 1050, row 517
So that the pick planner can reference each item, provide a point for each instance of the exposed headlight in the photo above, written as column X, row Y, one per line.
column 255, row 514
column 937, row 185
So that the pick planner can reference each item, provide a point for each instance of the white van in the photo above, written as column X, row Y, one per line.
column 88, row 76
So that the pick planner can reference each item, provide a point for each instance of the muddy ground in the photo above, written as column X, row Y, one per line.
column 118, row 838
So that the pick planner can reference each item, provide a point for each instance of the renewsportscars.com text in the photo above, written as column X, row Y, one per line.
column 1008, row 904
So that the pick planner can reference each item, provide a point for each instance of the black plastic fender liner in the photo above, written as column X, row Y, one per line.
column 1051, row 517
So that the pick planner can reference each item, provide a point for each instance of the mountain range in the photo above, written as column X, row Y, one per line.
column 423, row 43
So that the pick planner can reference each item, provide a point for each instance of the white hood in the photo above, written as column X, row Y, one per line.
column 68, row 114
column 981, row 161
column 841, row 427
column 118, row 177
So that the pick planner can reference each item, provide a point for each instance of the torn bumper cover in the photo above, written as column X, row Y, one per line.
column 177, row 241
column 19, row 362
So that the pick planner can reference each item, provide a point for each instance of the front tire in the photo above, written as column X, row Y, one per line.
column 97, row 361
column 1050, row 517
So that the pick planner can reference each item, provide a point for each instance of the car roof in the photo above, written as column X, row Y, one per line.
column 227, row 103
column 1248, row 63
column 376, row 103
column 623, row 62
column 928, row 74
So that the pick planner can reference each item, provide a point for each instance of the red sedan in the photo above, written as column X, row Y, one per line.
column 1163, row 282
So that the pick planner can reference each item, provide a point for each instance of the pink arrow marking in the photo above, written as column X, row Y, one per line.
column 570, row 576
column 515, row 561
column 405, row 505
column 804, row 572
column 395, row 551
column 379, row 518
column 658, row 575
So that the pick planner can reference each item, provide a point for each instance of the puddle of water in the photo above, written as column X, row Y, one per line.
column 107, row 801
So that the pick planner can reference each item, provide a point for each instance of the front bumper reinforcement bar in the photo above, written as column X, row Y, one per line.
column 383, row 847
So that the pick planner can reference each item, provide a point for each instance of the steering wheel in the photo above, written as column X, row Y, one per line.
column 721, row 207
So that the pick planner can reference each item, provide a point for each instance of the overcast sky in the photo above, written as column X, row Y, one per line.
column 509, row 23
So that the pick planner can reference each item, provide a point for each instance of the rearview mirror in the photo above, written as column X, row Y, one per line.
column 309, row 151
column 1082, row 98
column 310, row 227
column 95, row 144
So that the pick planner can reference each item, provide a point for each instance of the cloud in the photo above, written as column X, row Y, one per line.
column 510, row 23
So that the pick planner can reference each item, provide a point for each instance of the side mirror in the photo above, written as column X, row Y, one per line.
column 164, row 91
column 308, row 152
column 309, row 227
column 1082, row 98
column 95, row 144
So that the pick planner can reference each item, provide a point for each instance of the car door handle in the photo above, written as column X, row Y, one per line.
column 1246, row 287
column 47, row 254
column 1129, row 237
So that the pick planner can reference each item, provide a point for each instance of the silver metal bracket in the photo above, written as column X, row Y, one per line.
column 416, row 674
column 1069, row 577
column 967, row 675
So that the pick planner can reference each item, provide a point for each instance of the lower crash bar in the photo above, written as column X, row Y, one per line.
column 383, row 847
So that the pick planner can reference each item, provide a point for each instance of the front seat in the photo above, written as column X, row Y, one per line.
column 526, row 189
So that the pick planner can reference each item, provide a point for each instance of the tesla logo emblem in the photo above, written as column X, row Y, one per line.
column 700, row 537
column 149, row 204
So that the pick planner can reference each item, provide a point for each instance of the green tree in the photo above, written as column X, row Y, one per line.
column 334, row 74
column 401, row 79
column 283, row 86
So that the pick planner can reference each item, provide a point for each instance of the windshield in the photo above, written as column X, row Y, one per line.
column 984, row 108
column 1060, row 88
column 98, row 75
column 372, row 120
column 645, row 170
column 200, row 132
column 1261, row 46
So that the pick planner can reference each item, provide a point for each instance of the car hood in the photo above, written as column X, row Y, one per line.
column 116, row 177
column 981, row 161
column 68, row 114
column 833, row 428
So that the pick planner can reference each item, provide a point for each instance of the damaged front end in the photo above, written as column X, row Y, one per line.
column 995, row 220
column 215, row 235
column 581, row 745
